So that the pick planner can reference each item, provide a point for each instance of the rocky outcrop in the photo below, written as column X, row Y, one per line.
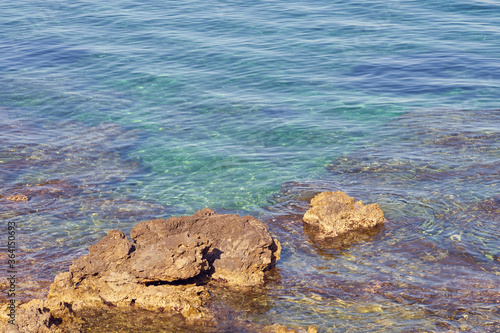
column 241, row 248
column 110, row 276
column 173, row 258
column 167, row 264
column 120, row 289
column 336, row 213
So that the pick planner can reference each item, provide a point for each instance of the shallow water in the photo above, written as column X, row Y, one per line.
column 116, row 113
column 435, row 264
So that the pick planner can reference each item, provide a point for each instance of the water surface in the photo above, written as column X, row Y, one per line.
column 116, row 113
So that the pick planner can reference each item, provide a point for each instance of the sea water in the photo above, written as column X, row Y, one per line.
column 114, row 113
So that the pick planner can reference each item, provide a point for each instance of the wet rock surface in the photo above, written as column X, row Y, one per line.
column 336, row 213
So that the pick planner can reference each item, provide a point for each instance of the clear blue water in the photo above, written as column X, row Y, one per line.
column 114, row 113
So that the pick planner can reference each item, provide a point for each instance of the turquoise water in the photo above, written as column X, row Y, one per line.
column 120, row 112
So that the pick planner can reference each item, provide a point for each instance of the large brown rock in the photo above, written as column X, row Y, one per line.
column 336, row 213
column 167, row 264
column 241, row 248
column 177, row 257
column 120, row 289
column 119, row 272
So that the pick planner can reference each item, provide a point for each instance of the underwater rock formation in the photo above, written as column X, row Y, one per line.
column 277, row 328
column 18, row 197
column 336, row 213
column 165, row 267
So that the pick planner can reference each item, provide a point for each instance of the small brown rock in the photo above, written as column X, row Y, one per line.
column 336, row 213
column 167, row 264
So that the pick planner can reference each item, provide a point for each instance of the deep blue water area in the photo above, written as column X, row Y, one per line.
column 114, row 113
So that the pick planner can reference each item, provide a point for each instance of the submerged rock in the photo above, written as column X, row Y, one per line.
column 165, row 267
column 277, row 328
column 336, row 213
column 18, row 197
